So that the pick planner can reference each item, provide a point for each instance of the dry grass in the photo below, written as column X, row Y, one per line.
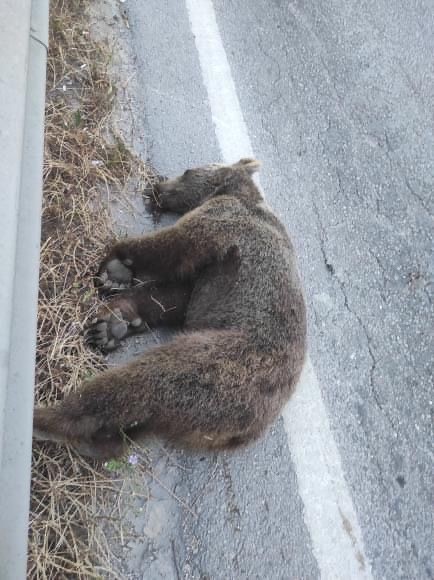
column 70, row 496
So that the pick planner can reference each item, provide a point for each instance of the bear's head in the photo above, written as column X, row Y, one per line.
column 199, row 184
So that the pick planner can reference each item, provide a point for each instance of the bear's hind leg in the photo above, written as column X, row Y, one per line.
column 193, row 390
column 86, row 434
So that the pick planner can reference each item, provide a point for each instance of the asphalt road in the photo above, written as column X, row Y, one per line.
column 337, row 99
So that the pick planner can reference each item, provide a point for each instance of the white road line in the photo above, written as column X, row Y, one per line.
column 328, row 509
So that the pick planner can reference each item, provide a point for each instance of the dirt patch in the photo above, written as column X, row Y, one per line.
column 75, row 504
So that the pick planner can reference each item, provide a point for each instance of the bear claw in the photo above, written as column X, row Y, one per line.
column 116, row 275
column 108, row 329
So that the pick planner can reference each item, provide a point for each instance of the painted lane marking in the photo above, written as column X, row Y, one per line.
column 329, row 513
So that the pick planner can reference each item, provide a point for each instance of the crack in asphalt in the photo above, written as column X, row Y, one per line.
column 400, row 171
column 368, row 341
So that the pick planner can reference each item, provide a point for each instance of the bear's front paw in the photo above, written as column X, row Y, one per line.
column 115, row 274
column 111, row 325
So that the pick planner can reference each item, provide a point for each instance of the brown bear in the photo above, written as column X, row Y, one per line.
column 225, row 275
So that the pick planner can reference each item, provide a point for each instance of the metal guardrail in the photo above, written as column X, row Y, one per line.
column 23, row 53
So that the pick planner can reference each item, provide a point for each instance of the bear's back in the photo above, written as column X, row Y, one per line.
column 256, row 287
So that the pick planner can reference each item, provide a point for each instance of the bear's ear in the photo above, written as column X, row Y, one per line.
column 249, row 164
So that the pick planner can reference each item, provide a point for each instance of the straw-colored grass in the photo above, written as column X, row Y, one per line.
column 70, row 511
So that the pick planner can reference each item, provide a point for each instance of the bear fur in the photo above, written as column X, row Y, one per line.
column 225, row 276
